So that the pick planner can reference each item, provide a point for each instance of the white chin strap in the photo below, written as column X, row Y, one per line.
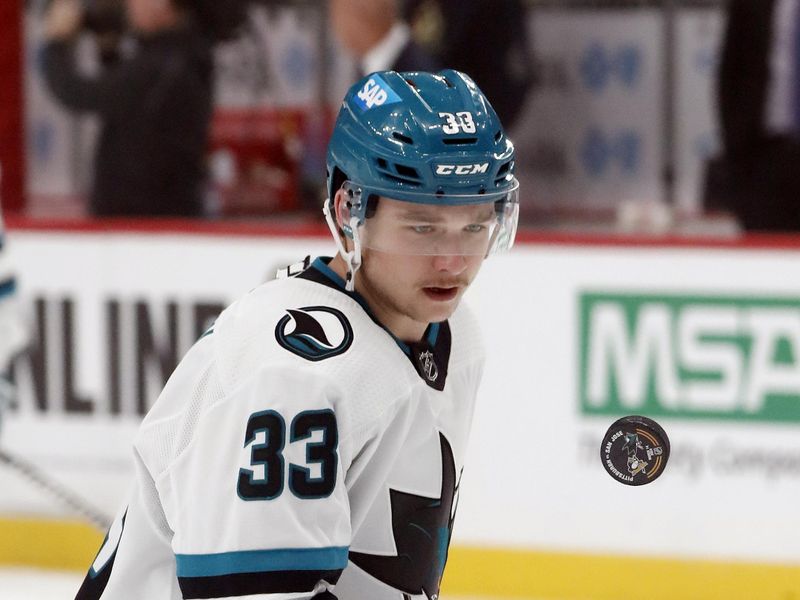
column 353, row 258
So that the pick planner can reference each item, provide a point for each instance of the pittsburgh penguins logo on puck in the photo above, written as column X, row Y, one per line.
column 635, row 450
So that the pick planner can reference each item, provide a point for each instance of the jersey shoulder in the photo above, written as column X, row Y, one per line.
column 467, row 338
column 289, row 346
column 296, row 324
column 311, row 333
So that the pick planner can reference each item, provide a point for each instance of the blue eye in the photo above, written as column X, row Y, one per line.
column 475, row 228
column 422, row 228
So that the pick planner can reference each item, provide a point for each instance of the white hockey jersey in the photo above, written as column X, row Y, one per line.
column 298, row 451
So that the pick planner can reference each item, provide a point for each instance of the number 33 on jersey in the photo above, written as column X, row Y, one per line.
column 266, row 438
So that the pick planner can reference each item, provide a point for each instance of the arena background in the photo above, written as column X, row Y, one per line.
column 623, row 296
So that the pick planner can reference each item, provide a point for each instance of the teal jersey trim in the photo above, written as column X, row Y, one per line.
column 8, row 287
column 321, row 266
column 433, row 333
column 262, row 561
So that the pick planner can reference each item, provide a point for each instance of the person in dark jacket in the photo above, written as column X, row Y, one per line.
column 373, row 32
column 155, row 106
column 759, row 109
column 488, row 40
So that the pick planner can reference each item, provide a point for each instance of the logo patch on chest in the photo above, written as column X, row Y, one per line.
column 314, row 332
column 427, row 365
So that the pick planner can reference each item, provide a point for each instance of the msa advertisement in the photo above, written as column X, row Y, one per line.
column 691, row 357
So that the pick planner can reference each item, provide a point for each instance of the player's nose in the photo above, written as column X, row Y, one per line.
column 453, row 264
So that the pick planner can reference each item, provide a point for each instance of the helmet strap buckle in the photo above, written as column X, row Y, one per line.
column 352, row 258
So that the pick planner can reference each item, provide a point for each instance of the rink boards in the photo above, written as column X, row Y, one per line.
column 703, row 338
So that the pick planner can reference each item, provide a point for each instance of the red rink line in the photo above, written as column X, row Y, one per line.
column 173, row 226
column 309, row 228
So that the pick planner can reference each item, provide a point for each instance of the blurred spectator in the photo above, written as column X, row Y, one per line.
column 488, row 40
column 155, row 105
column 372, row 31
column 759, row 105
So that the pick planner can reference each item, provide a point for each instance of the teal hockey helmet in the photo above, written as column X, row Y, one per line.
column 412, row 133
column 422, row 138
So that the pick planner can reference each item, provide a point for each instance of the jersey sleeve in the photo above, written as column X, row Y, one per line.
column 251, row 481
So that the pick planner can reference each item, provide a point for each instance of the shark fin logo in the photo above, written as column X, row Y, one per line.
column 422, row 527
column 314, row 332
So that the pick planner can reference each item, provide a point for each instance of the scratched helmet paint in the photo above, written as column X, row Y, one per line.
column 424, row 138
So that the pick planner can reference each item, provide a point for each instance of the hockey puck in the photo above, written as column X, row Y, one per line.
column 635, row 450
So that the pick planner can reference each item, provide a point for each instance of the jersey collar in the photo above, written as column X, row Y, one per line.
column 430, row 355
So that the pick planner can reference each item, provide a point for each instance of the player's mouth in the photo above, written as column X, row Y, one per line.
column 441, row 294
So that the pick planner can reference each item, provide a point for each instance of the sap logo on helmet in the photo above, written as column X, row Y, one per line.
column 372, row 94
column 462, row 169
column 376, row 92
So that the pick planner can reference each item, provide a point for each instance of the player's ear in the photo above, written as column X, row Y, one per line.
column 339, row 207
column 341, row 212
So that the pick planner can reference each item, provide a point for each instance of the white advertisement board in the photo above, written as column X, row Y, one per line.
column 706, row 341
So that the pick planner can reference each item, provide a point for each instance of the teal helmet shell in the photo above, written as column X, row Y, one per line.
column 420, row 137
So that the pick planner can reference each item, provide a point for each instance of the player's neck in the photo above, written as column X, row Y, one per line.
column 401, row 326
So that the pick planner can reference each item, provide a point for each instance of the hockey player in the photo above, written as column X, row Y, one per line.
column 311, row 444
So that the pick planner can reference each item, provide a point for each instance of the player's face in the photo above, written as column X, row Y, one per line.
column 419, row 259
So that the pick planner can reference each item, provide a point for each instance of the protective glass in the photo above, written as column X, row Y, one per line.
column 468, row 225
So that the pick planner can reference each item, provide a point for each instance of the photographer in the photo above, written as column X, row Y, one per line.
column 155, row 105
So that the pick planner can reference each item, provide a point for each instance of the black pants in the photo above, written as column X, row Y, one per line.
column 766, row 187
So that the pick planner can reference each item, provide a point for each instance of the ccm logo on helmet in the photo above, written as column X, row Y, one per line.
column 462, row 169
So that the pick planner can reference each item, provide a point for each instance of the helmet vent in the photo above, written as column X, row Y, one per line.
column 404, row 180
column 460, row 141
column 448, row 83
column 407, row 171
column 403, row 138
column 498, row 136
column 502, row 172
column 398, row 173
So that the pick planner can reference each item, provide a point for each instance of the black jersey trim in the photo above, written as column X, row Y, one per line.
column 245, row 584
column 431, row 359
column 95, row 582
